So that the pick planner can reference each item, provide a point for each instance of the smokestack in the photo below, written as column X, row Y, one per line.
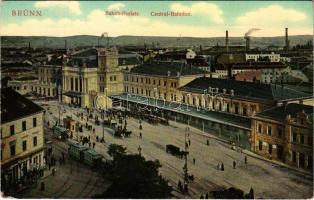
column 227, row 41
column 247, row 43
column 65, row 46
column 287, row 41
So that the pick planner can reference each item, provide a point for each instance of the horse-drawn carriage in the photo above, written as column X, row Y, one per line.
column 174, row 150
column 119, row 132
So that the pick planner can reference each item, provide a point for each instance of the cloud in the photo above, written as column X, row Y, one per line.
column 272, row 15
column 96, row 22
column 116, row 6
column 72, row 6
column 210, row 10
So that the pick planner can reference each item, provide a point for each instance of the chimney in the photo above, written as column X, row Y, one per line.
column 247, row 44
column 65, row 46
column 227, row 41
column 287, row 41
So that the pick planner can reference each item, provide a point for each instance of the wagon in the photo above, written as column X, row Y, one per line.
column 76, row 151
column 92, row 158
column 174, row 150
column 60, row 132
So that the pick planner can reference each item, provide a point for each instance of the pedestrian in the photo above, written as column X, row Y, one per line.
column 94, row 145
column 234, row 164
column 140, row 127
column 207, row 142
column 222, row 167
column 202, row 197
column 189, row 142
column 193, row 161
column 245, row 160
column 42, row 187
column 251, row 194
column 206, row 195
column 180, row 185
column 140, row 135
column 218, row 166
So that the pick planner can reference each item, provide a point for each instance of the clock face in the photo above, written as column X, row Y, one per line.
column 100, row 101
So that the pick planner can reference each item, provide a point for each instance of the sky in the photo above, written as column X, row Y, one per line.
column 208, row 18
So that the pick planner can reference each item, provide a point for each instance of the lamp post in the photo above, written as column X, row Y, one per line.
column 106, row 92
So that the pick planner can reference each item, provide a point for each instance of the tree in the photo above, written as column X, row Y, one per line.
column 116, row 150
column 134, row 177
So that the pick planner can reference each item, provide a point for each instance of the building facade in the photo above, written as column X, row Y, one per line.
column 285, row 134
column 22, row 86
column 89, row 74
column 159, row 80
column 22, row 140
column 49, row 80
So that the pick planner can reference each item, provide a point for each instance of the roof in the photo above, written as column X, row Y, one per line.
column 93, row 153
column 280, row 113
column 15, row 106
column 85, row 52
column 198, row 62
column 60, row 129
column 214, row 116
column 162, row 69
column 253, row 65
column 245, row 90
column 129, row 61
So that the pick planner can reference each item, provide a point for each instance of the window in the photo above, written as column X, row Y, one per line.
column 294, row 156
column 35, row 141
column 302, row 138
column 12, row 129
column 280, row 132
column 259, row 128
column 12, row 149
column 159, row 82
column 260, row 145
column 270, row 148
column 34, row 122
column 294, row 137
column 165, row 83
column 24, row 145
column 269, row 130
column 24, row 126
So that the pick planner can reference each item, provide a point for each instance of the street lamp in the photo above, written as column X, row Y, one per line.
column 106, row 92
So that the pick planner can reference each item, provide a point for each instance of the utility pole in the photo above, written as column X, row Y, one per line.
column 59, row 115
column 185, row 167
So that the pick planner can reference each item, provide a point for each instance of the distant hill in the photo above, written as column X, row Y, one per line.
column 90, row 40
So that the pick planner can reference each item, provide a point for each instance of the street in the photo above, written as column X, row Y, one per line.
column 268, row 180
